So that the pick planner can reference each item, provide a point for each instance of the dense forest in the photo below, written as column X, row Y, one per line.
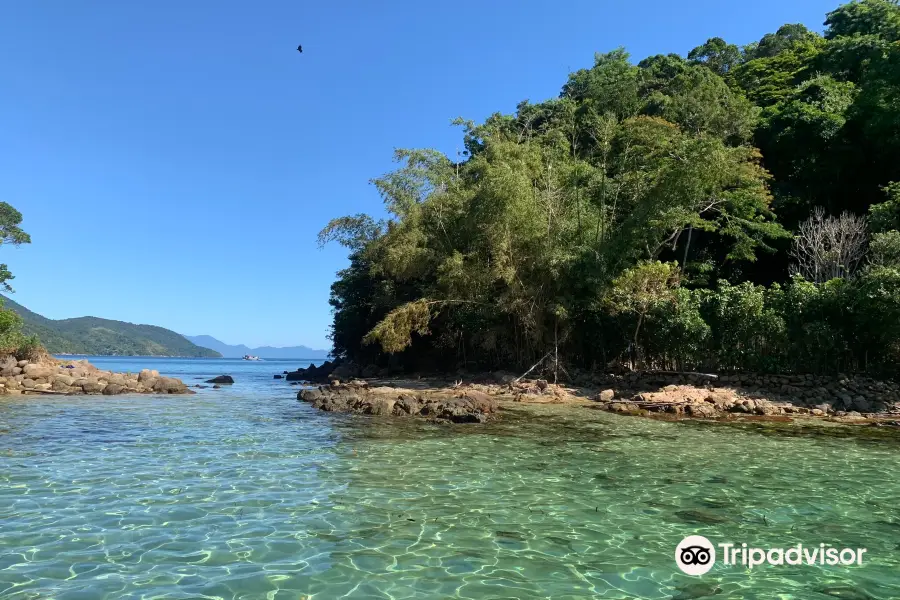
column 734, row 208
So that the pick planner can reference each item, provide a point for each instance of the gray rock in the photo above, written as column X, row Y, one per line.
column 221, row 379
column 861, row 404
column 21, row 363
column 28, row 383
column 606, row 395
column 112, row 389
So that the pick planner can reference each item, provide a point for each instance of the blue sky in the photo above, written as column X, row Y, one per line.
column 174, row 160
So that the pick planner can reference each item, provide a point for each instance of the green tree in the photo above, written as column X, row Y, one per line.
column 716, row 54
column 10, row 233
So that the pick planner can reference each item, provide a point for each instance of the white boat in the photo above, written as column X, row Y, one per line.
column 251, row 357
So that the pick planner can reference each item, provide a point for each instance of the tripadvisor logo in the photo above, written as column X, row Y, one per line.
column 696, row 555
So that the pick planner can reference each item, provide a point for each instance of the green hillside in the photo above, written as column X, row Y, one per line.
column 91, row 335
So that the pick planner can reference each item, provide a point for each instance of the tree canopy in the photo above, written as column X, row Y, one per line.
column 649, row 214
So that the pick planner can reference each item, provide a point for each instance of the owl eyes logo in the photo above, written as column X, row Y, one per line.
column 695, row 555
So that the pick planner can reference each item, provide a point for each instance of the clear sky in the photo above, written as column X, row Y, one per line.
column 175, row 159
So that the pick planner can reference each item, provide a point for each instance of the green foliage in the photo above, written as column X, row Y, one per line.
column 884, row 249
column 10, row 233
column 646, row 214
column 717, row 54
column 885, row 216
column 865, row 17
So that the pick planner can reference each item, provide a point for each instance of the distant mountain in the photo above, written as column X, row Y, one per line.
column 104, row 337
column 229, row 351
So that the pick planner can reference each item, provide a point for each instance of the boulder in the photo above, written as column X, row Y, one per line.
column 21, row 363
column 34, row 371
column 169, row 385
column 64, row 380
column 92, row 387
column 606, row 396
column 28, row 383
column 59, row 385
column 861, row 404
column 145, row 375
column 704, row 410
column 279, row 377
column 112, row 389
column 220, row 379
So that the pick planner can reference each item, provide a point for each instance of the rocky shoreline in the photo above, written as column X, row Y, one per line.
column 850, row 399
column 52, row 376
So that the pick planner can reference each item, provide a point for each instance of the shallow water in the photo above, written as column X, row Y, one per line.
column 245, row 492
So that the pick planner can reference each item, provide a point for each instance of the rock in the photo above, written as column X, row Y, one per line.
column 145, row 375
column 112, row 389
column 34, row 370
column 768, row 409
column 279, row 377
column 59, row 384
column 345, row 371
column 861, row 404
column 21, row 363
column 64, row 379
column 44, row 387
column 623, row 407
column 704, row 410
column 606, row 396
column 701, row 517
column 217, row 387
column 169, row 385
column 28, row 383
column 221, row 379
column 407, row 404
column 92, row 387
column 473, row 407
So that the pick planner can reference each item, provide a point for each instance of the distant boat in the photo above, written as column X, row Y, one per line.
column 251, row 357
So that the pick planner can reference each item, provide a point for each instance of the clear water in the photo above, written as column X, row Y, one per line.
column 245, row 492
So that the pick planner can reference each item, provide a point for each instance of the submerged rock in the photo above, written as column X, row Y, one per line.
column 221, row 379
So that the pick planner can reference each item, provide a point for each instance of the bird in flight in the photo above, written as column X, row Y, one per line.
column 299, row 48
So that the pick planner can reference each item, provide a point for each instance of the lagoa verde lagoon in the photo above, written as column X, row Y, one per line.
column 244, row 492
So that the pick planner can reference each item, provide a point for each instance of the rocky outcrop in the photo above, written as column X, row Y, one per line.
column 467, row 406
column 51, row 376
column 314, row 374
column 710, row 396
column 221, row 379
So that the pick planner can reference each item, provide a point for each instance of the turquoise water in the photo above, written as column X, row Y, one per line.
column 245, row 492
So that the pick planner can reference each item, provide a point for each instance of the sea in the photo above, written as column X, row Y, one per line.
column 246, row 492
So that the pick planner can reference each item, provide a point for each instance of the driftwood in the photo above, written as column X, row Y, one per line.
column 517, row 379
column 687, row 373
